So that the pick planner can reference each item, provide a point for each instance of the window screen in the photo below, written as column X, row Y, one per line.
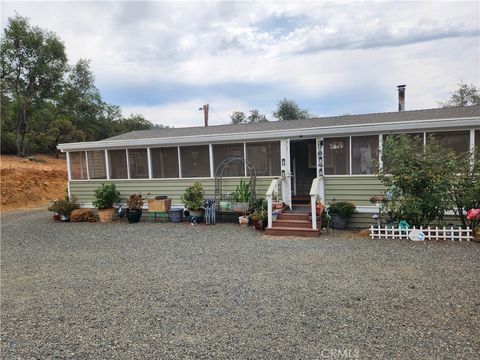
column 364, row 151
column 96, row 164
column 164, row 162
column 195, row 161
column 337, row 156
column 417, row 138
column 78, row 165
column 265, row 157
column 455, row 140
column 477, row 139
column 118, row 164
column 138, row 163
column 226, row 151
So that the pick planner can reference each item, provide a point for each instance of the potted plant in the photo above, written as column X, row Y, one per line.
column 134, row 208
column 319, row 208
column 241, row 197
column 259, row 218
column 277, row 203
column 225, row 204
column 340, row 212
column 192, row 198
column 105, row 197
column 62, row 209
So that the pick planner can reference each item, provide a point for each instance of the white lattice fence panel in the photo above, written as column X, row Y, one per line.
column 429, row 233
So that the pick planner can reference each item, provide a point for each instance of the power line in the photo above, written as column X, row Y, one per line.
column 218, row 115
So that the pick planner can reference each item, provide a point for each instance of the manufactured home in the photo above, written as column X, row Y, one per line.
column 334, row 154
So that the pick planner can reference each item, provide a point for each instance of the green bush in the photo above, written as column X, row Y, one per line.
column 106, row 196
column 242, row 192
column 192, row 198
column 342, row 208
column 64, row 206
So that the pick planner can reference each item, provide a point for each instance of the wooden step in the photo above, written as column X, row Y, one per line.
column 289, row 231
column 292, row 223
column 292, row 216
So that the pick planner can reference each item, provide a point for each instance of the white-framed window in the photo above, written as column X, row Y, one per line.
column 164, row 162
column 138, row 163
column 195, row 161
column 265, row 157
column 457, row 141
column 337, row 156
column 117, row 160
column 96, row 164
column 222, row 152
column 78, row 165
column 364, row 152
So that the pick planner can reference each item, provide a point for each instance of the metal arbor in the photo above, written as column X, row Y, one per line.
column 220, row 172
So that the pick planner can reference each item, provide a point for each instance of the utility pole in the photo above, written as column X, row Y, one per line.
column 205, row 113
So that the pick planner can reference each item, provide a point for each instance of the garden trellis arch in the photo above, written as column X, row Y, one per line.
column 220, row 171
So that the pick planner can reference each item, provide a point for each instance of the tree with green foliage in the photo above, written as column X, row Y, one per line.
column 239, row 117
column 33, row 62
column 422, row 185
column 132, row 123
column 289, row 110
column 255, row 117
column 465, row 95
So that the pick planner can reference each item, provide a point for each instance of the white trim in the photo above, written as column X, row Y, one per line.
column 324, row 131
column 346, row 175
column 69, row 170
column 128, row 164
column 176, row 179
column 179, row 163
column 472, row 140
column 86, row 161
column 210, row 159
column 245, row 158
column 107, row 165
column 149, row 161
column 351, row 156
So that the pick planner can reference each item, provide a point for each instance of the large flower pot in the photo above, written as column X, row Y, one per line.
column 196, row 215
column 338, row 222
column 243, row 220
column 134, row 215
column 106, row 215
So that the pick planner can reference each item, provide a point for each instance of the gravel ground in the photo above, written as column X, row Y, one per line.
column 154, row 290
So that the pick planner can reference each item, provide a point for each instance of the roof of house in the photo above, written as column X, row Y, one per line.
column 344, row 120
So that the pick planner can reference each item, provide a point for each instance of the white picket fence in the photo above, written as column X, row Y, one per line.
column 459, row 234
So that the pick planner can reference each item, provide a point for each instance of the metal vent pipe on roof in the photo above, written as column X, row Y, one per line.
column 401, row 97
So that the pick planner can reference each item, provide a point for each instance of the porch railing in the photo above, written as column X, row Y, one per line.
column 316, row 190
column 273, row 188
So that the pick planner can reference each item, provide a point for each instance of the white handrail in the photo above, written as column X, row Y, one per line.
column 315, row 190
column 273, row 188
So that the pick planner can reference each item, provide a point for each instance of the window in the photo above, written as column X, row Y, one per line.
column 96, row 164
column 118, row 164
column 78, row 165
column 364, row 151
column 138, row 163
column 223, row 152
column 164, row 162
column 195, row 161
column 265, row 157
column 454, row 140
column 337, row 155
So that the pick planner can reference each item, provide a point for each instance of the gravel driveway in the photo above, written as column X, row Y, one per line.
column 154, row 290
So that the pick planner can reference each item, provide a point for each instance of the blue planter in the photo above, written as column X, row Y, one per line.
column 175, row 215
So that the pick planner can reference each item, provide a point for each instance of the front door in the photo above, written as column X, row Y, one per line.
column 303, row 159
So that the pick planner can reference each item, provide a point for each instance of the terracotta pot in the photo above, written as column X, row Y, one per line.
column 106, row 215
column 243, row 220
column 278, row 205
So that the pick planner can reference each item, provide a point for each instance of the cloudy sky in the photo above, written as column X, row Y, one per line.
column 165, row 59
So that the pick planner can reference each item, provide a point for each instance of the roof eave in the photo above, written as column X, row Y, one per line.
column 417, row 125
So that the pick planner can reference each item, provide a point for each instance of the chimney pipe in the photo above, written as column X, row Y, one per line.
column 401, row 97
column 205, row 109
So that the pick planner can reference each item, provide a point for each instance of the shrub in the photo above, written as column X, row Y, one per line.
column 106, row 196
column 192, row 198
column 342, row 208
column 64, row 206
column 135, row 202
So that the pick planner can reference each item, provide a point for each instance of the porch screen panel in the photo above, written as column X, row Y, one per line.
column 78, row 165
column 96, row 164
column 225, row 151
column 364, row 152
column 265, row 157
column 195, row 161
column 337, row 156
column 477, row 139
column 118, row 164
column 164, row 162
column 138, row 162
column 458, row 141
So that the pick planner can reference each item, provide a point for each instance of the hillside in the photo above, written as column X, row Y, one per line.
column 31, row 183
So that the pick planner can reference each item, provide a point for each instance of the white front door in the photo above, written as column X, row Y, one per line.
column 286, row 172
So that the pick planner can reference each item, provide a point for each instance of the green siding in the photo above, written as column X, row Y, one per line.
column 84, row 190
column 356, row 189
